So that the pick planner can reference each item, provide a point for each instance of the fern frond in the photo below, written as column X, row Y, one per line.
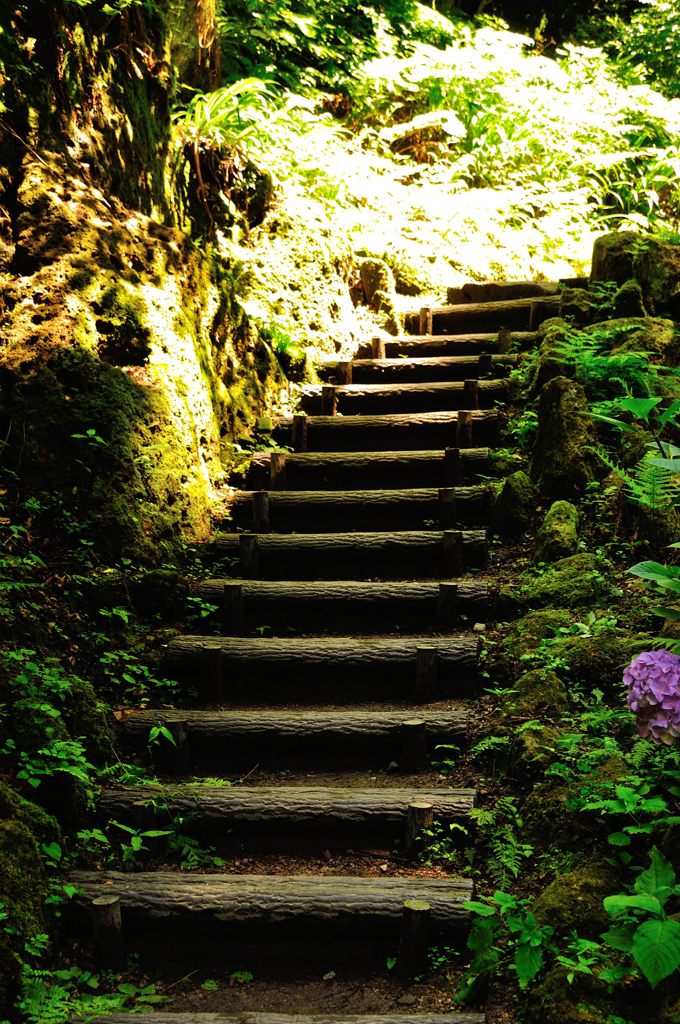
column 654, row 487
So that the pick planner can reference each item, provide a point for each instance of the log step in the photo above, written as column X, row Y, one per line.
column 196, row 1017
column 336, row 604
column 420, row 345
column 501, row 291
column 213, row 809
column 422, row 554
column 415, row 668
column 178, row 900
column 399, row 432
column 359, row 470
column 514, row 315
column 360, row 736
column 415, row 370
column 329, row 511
column 376, row 399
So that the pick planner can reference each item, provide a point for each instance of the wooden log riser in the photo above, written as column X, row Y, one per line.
column 162, row 1017
column 414, row 398
column 385, row 433
column 433, row 370
column 379, row 470
column 443, row 345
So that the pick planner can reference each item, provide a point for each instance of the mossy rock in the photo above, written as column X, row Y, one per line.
column 23, row 882
column 579, row 581
column 558, row 535
column 640, row 334
column 596, row 662
column 556, row 1000
column 514, row 505
column 532, row 750
column 536, row 694
column 580, row 305
column 376, row 277
column 549, row 823
column 87, row 717
column 629, row 300
column 614, row 256
column 657, row 268
column 562, row 461
column 43, row 826
column 526, row 634
column 10, row 980
column 573, row 902
column 550, row 361
column 10, row 801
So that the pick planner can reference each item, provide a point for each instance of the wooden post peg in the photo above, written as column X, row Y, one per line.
column 414, row 754
column 425, row 320
column 447, row 508
column 452, row 552
column 343, row 373
column 447, row 606
column 233, row 618
column 416, row 920
column 464, row 428
column 179, row 752
column 535, row 316
column 107, row 929
column 299, row 433
column 278, row 471
column 420, row 815
column 426, row 674
column 377, row 347
column 212, row 672
column 504, row 341
column 249, row 555
column 453, row 470
column 471, row 394
column 261, row 514
column 485, row 364
column 329, row 400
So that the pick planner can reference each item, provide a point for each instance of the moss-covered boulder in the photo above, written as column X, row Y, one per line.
column 160, row 591
column 376, row 276
column 657, row 268
column 514, row 505
column 558, row 535
column 629, row 300
column 532, row 750
column 614, row 257
column 582, row 580
column 550, row 823
column 536, row 694
column 87, row 717
column 573, row 902
column 562, row 460
column 580, row 305
column 640, row 334
column 595, row 662
column 557, row 1000
column 526, row 634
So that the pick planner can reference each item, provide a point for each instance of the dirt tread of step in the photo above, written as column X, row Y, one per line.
column 245, row 1017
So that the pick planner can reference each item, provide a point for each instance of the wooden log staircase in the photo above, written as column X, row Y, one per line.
column 361, row 544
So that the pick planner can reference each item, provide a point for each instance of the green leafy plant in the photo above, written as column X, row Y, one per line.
column 499, row 830
column 644, row 929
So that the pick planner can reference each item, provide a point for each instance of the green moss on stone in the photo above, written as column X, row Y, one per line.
column 86, row 716
column 596, row 662
column 514, row 505
column 23, row 883
column 573, row 902
column 562, row 458
column 557, row 1000
column 549, row 823
column 536, row 694
column 579, row 581
column 558, row 535
column 527, row 633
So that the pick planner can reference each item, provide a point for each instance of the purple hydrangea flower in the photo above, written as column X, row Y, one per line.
column 653, row 681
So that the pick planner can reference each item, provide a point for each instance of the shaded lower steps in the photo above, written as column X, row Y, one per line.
column 245, row 1017
column 400, row 431
column 243, row 605
column 217, row 809
column 183, row 903
column 362, row 555
column 314, row 668
column 358, row 470
column 376, row 509
column 217, row 737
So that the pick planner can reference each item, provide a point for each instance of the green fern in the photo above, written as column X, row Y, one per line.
column 499, row 830
column 599, row 371
column 653, row 486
